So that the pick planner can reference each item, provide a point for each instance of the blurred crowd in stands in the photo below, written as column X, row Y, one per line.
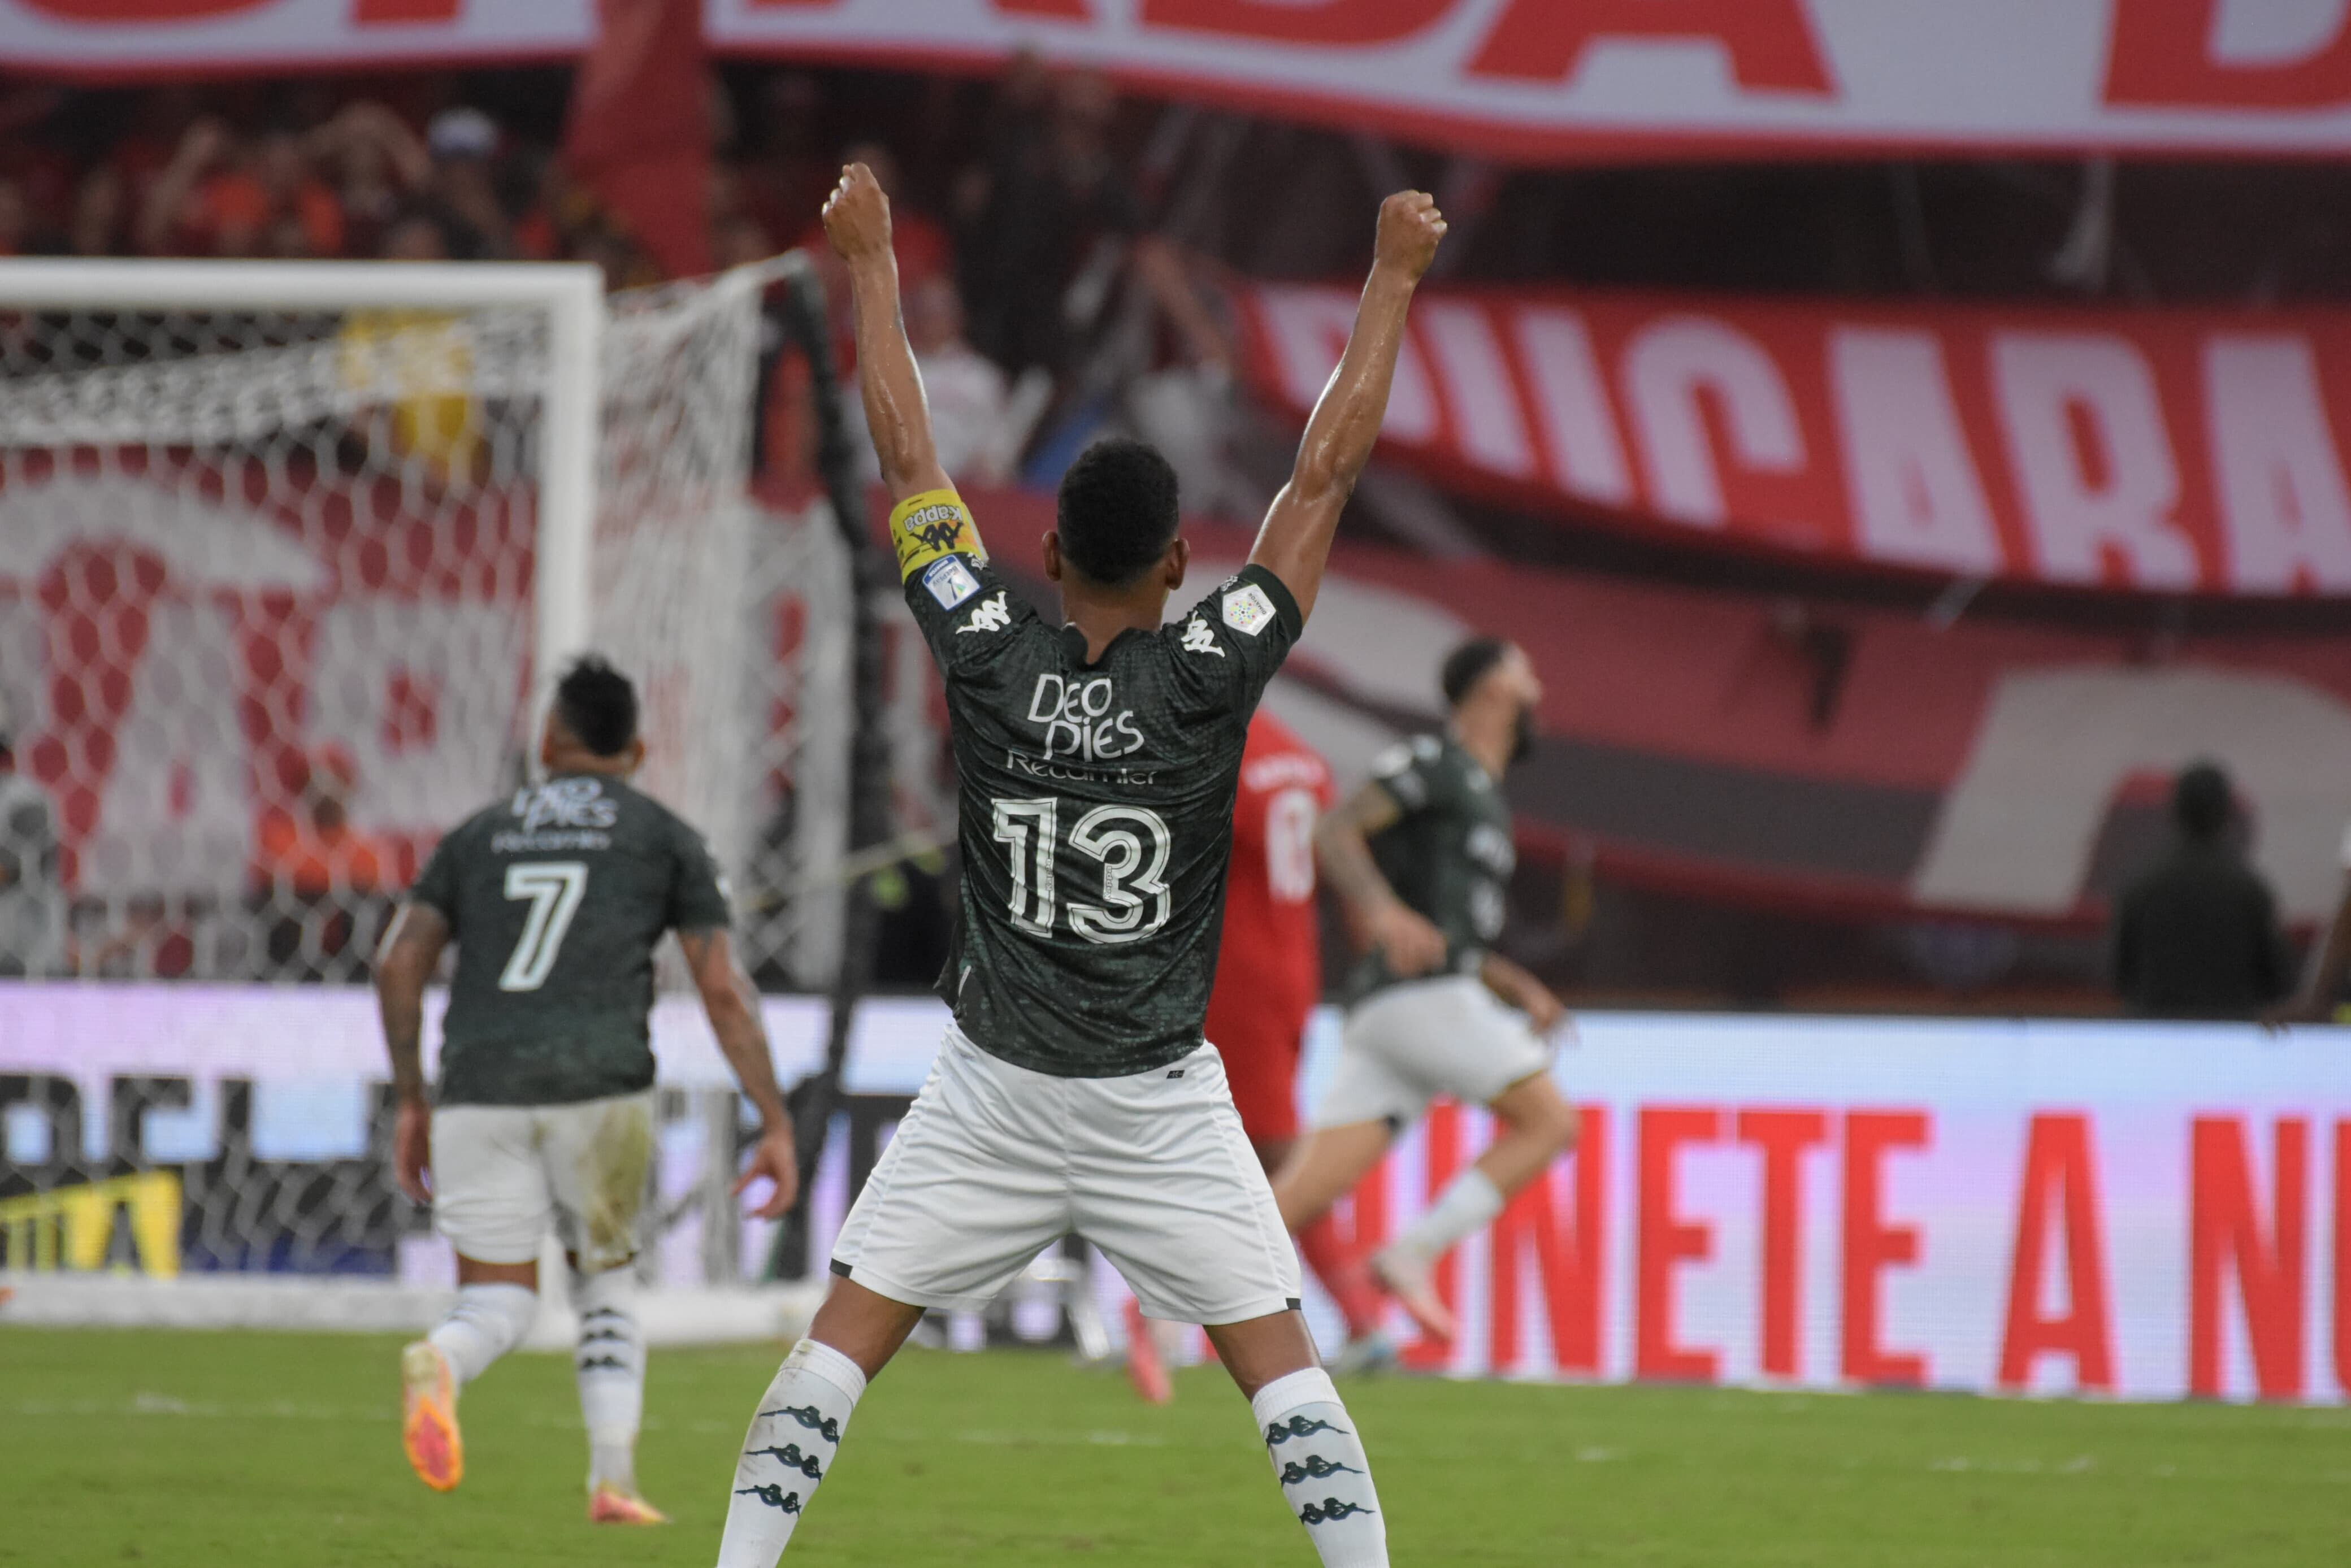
column 1059, row 248
column 1017, row 215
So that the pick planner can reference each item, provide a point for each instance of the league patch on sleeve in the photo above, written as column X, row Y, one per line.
column 1247, row 609
column 949, row 581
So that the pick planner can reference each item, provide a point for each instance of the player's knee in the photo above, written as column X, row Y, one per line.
column 1566, row 1127
column 1546, row 1117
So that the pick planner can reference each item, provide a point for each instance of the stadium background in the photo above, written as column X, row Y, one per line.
column 1893, row 491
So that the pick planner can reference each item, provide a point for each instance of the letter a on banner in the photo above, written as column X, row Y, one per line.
column 2060, row 1176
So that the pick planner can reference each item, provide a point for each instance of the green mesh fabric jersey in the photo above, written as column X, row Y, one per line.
column 1095, row 814
column 1449, row 856
column 556, row 898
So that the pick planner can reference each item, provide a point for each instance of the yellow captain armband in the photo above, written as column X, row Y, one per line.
column 930, row 527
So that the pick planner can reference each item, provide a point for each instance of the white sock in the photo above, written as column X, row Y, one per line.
column 1469, row 1203
column 487, row 1322
column 789, row 1450
column 1319, row 1459
column 611, row 1364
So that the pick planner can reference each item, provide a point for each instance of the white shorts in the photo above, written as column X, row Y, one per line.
column 995, row 1163
column 1405, row 1045
column 503, row 1173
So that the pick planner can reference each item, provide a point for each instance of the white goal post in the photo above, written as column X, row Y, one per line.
column 290, row 553
column 570, row 295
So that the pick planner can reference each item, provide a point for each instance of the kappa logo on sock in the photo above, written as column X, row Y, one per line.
column 1300, row 1427
column 1330, row 1508
column 791, row 1459
column 1316, row 1467
column 602, row 1363
column 775, row 1496
column 810, row 1416
column 601, row 1335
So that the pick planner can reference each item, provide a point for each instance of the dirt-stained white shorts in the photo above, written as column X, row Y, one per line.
column 1403, row 1047
column 994, row 1163
column 503, row 1173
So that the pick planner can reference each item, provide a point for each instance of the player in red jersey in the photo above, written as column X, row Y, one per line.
column 1269, row 977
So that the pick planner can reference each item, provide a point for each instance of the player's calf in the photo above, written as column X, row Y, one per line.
column 610, row 1362
column 1319, row 1461
column 788, row 1452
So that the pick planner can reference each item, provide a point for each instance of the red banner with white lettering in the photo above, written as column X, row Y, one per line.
column 1521, row 79
column 2172, row 451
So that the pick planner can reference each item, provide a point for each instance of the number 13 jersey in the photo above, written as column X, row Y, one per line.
column 1096, row 813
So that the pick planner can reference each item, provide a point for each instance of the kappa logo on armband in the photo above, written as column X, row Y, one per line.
column 1247, row 609
column 1198, row 639
column 934, row 528
column 950, row 582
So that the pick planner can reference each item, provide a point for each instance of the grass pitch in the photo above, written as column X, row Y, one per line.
column 249, row 1450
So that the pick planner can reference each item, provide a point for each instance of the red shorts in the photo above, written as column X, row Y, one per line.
column 1261, row 1065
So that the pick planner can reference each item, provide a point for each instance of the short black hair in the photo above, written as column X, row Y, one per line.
column 1117, row 511
column 2202, row 802
column 598, row 706
column 1466, row 666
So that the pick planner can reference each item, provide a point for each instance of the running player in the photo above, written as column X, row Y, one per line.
column 1269, row 977
column 1420, row 855
column 556, row 899
column 1097, row 761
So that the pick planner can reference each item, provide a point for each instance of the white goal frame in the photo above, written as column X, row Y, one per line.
column 571, row 294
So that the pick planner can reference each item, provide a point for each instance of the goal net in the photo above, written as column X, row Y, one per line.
column 289, row 554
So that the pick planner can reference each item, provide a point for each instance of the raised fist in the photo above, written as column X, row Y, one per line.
column 1410, row 226
column 857, row 216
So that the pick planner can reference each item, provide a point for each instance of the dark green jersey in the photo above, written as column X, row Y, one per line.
column 556, row 899
column 1095, row 814
column 1449, row 856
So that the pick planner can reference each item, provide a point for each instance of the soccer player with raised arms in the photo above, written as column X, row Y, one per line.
column 1098, row 762
column 556, row 897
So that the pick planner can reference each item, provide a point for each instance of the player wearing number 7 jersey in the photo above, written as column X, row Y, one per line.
column 1097, row 760
column 556, row 897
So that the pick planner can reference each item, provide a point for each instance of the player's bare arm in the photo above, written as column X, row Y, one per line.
column 1295, row 540
column 857, row 222
column 1518, row 988
column 1411, row 943
column 733, row 1009
column 403, row 967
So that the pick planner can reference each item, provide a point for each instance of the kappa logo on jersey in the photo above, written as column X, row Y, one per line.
column 1247, row 609
column 1396, row 769
column 990, row 614
column 1076, row 713
column 1198, row 639
column 566, row 803
column 950, row 582
column 1490, row 847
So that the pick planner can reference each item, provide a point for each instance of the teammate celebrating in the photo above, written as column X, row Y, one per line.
column 556, row 899
column 1420, row 855
column 1097, row 762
